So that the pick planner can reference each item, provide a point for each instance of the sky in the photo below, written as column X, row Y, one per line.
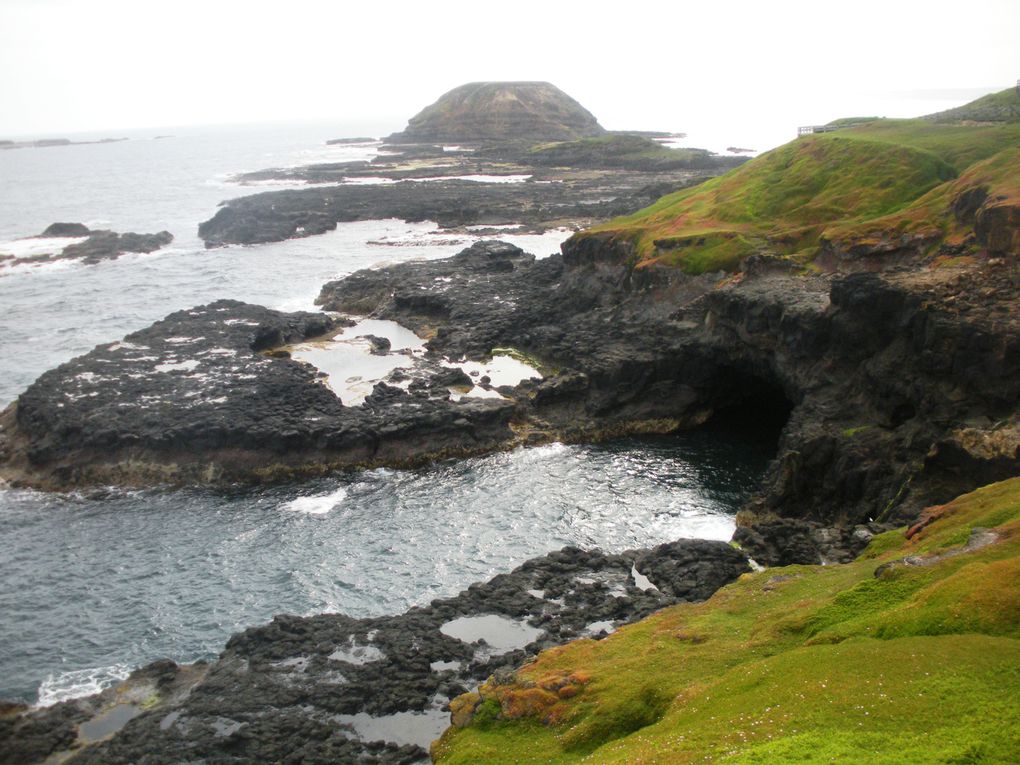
column 736, row 69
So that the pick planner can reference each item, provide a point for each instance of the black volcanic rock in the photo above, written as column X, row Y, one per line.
column 499, row 112
column 290, row 691
column 194, row 399
column 892, row 391
column 65, row 229
column 898, row 390
column 109, row 245
column 274, row 216
column 98, row 246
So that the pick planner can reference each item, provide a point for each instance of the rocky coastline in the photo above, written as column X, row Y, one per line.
column 890, row 370
column 467, row 162
column 471, row 186
column 872, row 434
column 897, row 389
column 329, row 689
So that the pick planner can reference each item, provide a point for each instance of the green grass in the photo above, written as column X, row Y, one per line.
column 957, row 145
column 857, row 185
column 931, row 214
column 858, row 663
column 1003, row 106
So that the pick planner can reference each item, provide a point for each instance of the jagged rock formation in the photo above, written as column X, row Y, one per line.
column 901, row 388
column 498, row 112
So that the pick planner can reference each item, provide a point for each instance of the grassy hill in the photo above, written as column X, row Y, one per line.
column 822, row 189
column 910, row 654
column 1003, row 106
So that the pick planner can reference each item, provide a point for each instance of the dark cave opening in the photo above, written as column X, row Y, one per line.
column 751, row 407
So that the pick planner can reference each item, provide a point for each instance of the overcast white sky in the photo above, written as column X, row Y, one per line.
column 84, row 65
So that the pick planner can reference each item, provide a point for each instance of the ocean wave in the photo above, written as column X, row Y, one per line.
column 41, row 266
column 80, row 682
column 37, row 245
column 316, row 505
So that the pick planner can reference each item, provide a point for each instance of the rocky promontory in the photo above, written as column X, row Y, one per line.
column 893, row 390
column 453, row 203
column 201, row 397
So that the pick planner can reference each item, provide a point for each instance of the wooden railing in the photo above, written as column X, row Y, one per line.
column 810, row 129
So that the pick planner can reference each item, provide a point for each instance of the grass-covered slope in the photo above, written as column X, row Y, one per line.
column 790, row 201
column 946, row 214
column 910, row 654
column 1003, row 106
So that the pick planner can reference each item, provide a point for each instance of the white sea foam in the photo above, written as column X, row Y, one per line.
column 367, row 180
column 27, row 248
column 474, row 178
column 80, row 682
column 317, row 505
column 495, row 227
column 40, row 267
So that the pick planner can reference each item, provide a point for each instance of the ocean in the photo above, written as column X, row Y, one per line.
column 97, row 583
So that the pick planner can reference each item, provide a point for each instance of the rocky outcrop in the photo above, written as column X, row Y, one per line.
column 453, row 203
column 331, row 689
column 997, row 226
column 498, row 177
column 194, row 399
column 109, row 245
column 96, row 247
column 500, row 112
column 65, row 230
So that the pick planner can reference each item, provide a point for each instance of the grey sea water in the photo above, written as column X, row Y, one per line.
column 96, row 584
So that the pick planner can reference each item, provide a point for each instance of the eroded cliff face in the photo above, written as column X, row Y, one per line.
column 903, row 385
